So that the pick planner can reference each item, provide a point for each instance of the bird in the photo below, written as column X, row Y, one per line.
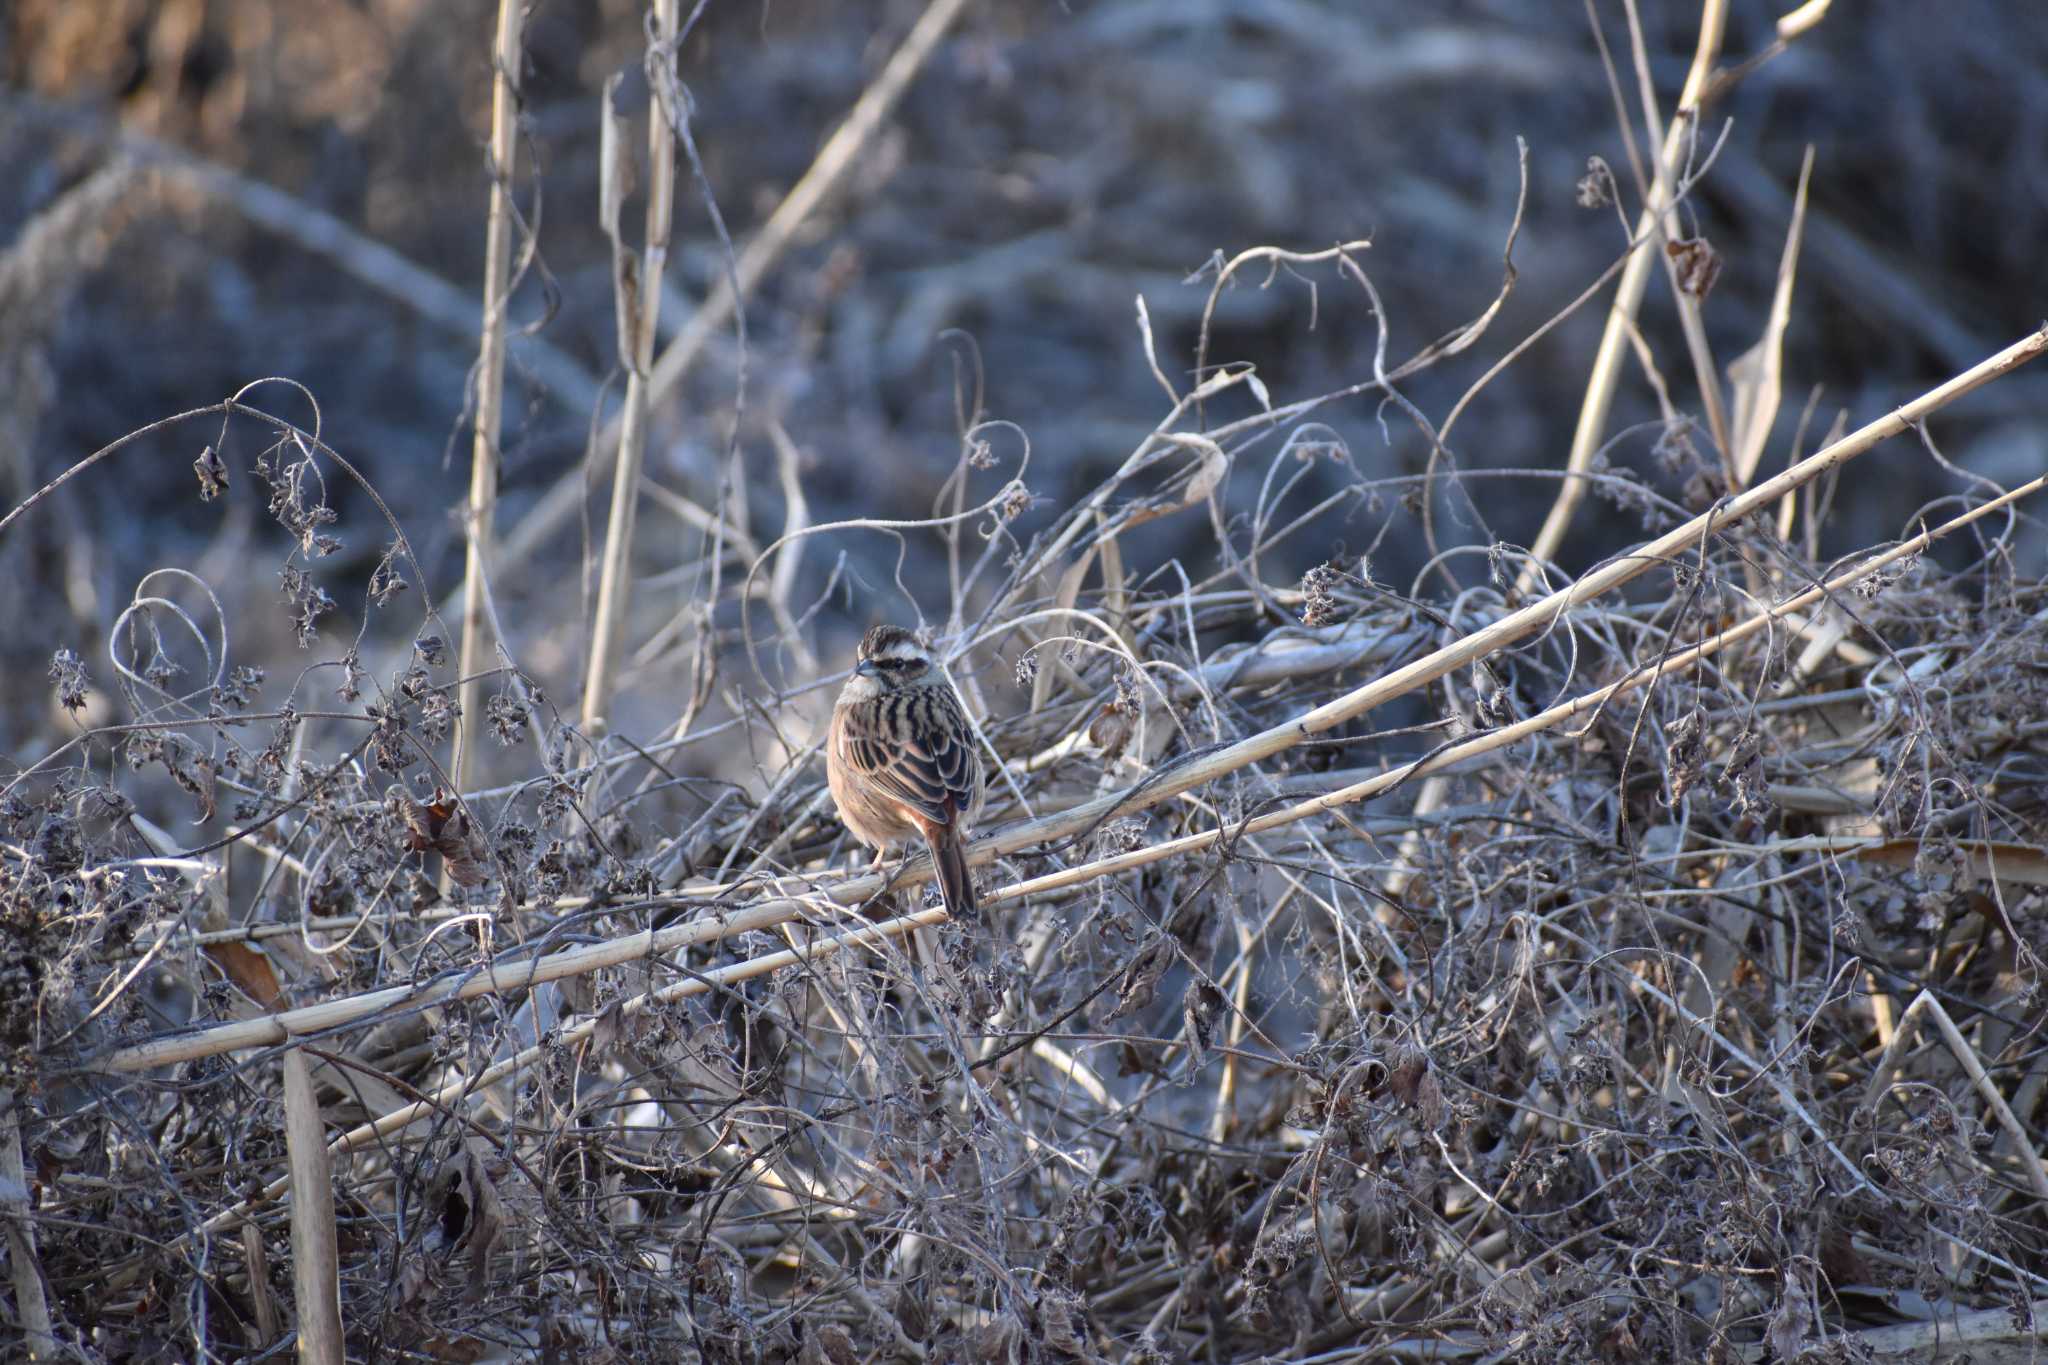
column 901, row 759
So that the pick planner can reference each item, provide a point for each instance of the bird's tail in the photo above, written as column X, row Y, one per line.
column 956, row 886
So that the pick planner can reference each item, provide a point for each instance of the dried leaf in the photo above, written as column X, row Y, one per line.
column 1258, row 388
column 1215, row 464
column 442, row 826
column 1064, row 1317
column 249, row 968
column 828, row 1344
column 1111, row 730
column 1758, row 374
column 1792, row 1323
column 1699, row 265
column 607, row 1028
column 470, row 1213
column 193, row 772
column 1405, row 1071
column 456, row 1350
column 1141, row 978
column 2007, row 862
column 213, row 474
column 1199, row 1009
column 999, row 1341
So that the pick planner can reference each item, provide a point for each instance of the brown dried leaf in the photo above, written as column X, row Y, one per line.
column 1404, row 1073
column 828, row 1344
column 195, row 774
column 1199, row 1008
column 999, row 1341
column 1792, row 1323
column 213, row 474
column 1111, row 730
column 1699, row 265
column 607, row 1028
column 1207, row 479
column 1134, row 1060
column 1064, row 1317
column 2008, row 862
column 442, row 826
column 248, row 967
column 1141, row 978
column 471, row 1214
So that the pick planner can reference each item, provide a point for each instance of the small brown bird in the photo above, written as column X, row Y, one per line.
column 901, row 759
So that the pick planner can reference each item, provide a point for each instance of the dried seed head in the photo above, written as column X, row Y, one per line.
column 213, row 474
column 1699, row 265
column 1596, row 186
column 1319, row 594
column 67, row 670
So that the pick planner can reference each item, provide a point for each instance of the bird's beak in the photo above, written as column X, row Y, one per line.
column 866, row 669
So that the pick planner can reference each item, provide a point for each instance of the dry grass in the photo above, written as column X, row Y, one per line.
column 1503, row 964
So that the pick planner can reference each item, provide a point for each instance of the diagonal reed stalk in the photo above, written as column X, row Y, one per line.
column 276, row 1029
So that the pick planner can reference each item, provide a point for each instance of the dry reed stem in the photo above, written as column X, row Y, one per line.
column 1706, row 375
column 759, row 256
column 1451, row 755
column 481, row 513
column 1883, row 1073
column 256, row 1260
column 1485, row 1083
column 1759, row 393
column 1463, row 652
column 316, row 1260
column 637, row 288
column 31, row 1305
column 1945, row 1338
column 1605, row 378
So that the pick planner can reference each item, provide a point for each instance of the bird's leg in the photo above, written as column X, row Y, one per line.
column 881, row 905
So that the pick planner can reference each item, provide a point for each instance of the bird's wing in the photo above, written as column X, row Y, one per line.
column 914, row 746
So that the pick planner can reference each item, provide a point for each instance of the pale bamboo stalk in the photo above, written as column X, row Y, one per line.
column 272, row 1030
column 1684, row 129
column 1973, row 1067
column 481, row 510
column 1952, row 1336
column 1487, row 741
column 1760, row 413
column 756, row 259
column 30, row 1304
column 638, row 299
column 268, row 1324
column 1223, row 1117
column 867, row 935
column 1628, row 298
column 316, row 1263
